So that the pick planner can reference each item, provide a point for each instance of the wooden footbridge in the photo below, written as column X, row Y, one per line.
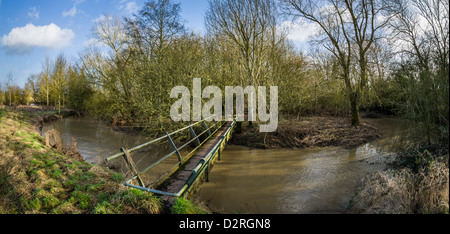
column 192, row 162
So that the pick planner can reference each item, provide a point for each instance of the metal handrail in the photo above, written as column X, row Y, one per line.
column 176, row 150
column 196, row 172
column 182, row 159
column 155, row 140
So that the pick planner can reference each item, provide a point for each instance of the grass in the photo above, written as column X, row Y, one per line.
column 37, row 179
column 184, row 206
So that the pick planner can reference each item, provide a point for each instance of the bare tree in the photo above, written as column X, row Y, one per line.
column 249, row 25
column 436, row 13
column 156, row 24
column 10, row 86
column 44, row 86
column 110, row 32
column 59, row 81
column 421, row 31
column 153, row 31
column 350, row 28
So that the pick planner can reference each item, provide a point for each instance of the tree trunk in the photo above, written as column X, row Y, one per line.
column 59, row 105
column 354, row 102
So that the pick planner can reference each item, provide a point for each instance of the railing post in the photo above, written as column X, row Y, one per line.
column 222, row 141
column 207, row 173
column 193, row 133
column 215, row 123
column 204, row 125
column 131, row 165
column 175, row 147
column 218, row 155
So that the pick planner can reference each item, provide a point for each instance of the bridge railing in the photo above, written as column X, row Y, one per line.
column 207, row 130
column 203, row 166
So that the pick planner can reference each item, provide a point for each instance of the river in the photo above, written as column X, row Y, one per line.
column 252, row 180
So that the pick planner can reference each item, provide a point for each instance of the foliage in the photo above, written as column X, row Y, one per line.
column 418, row 86
column 126, row 76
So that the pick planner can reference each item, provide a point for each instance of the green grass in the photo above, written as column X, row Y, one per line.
column 40, row 180
column 184, row 206
column 2, row 113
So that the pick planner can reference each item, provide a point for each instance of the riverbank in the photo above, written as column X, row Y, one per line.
column 415, row 182
column 38, row 179
column 43, row 114
column 308, row 132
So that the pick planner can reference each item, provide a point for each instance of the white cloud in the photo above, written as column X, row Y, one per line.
column 102, row 18
column 76, row 2
column 71, row 12
column 129, row 7
column 90, row 42
column 21, row 40
column 299, row 31
column 33, row 13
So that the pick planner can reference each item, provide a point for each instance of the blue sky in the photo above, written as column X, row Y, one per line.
column 67, row 23
column 31, row 30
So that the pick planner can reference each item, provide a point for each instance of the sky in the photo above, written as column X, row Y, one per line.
column 31, row 30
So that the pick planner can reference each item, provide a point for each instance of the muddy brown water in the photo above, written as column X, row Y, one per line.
column 294, row 181
column 252, row 180
column 96, row 141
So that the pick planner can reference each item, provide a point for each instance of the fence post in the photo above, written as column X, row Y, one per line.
column 175, row 147
column 204, row 125
column 215, row 123
column 193, row 133
column 222, row 141
column 131, row 165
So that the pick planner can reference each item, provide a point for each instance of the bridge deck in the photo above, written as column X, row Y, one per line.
column 179, row 178
column 185, row 178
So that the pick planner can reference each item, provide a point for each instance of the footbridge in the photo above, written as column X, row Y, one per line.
column 185, row 165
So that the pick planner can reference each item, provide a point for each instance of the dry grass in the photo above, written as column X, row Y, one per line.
column 406, row 191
